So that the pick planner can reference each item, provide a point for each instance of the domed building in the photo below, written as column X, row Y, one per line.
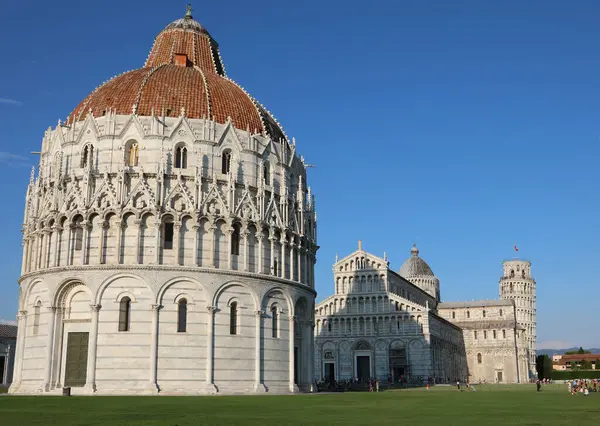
column 169, row 238
column 418, row 272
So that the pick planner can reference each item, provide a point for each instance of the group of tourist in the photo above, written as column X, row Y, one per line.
column 583, row 387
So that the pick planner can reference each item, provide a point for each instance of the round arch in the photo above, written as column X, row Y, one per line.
column 98, row 296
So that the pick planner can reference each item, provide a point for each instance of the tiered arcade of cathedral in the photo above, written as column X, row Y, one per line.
column 169, row 238
column 388, row 325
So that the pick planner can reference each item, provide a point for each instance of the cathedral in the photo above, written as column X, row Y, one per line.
column 393, row 326
column 169, row 238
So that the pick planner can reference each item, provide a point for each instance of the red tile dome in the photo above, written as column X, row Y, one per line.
column 183, row 70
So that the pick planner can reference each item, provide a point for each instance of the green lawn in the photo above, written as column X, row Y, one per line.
column 490, row 405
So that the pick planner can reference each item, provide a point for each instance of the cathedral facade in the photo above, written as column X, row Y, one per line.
column 169, row 238
column 392, row 325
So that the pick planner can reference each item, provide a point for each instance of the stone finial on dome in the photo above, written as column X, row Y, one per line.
column 414, row 250
column 188, row 12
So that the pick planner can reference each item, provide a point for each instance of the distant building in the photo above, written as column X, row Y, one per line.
column 8, row 344
column 382, row 324
column 567, row 362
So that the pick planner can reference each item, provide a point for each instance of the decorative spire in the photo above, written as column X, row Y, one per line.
column 188, row 12
column 414, row 250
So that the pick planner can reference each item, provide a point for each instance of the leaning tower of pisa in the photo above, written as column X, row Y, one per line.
column 517, row 284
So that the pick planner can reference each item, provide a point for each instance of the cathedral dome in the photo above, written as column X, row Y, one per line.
column 415, row 266
column 184, row 71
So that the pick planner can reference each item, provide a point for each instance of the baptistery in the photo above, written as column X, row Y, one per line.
column 169, row 238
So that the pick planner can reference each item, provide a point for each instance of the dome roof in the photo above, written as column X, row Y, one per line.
column 415, row 266
column 183, row 70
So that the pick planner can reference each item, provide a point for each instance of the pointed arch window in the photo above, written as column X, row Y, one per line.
column 275, row 322
column 87, row 156
column 168, row 233
column 182, row 316
column 36, row 317
column 479, row 358
column 266, row 172
column 233, row 318
column 181, row 157
column 226, row 162
column 78, row 233
column 124, row 314
column 235, row 240
column 132, row 154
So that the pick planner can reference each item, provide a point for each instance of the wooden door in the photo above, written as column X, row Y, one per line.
column 77, row 352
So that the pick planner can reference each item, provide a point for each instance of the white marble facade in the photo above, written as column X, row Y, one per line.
column 383, row 324
column 379, row 324
column 132, row 220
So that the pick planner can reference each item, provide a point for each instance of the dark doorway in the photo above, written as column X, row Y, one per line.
column 2, row 362
column 499, row 376
column 330, row 371
column 77, row 352
column 296, row 365
column 397, row 372
column 363, row 367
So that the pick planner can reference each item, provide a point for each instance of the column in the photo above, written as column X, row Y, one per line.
column 293, row 387
column 311, row 355
column 57, row 232
column 24, row 257
column 272, row 257
column 260, row 237
column 154, row 349
column 284, row 243
column 103, row 230
column 157, row 244
column 245, row 238
column 300, row 249
column 42, row 254
column 49, row 349
column 292, row 245
column 212, row 230
column 177, row 242
column 90, row 385
column 210, row 345
column 258, row 385
column 196, row 229
column 138, row 241
column 21, row 334
column 119, row 224
column 84, row 243
column 58, row 339
column 229, row 255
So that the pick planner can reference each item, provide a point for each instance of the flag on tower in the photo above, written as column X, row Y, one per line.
column 516, row 248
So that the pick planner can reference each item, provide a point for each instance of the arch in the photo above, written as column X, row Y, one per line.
column 226, row 161
column 227, row 285
column 123, row 294
column 87, row 155
column 276, row 289
column 108, row 281
column 132, row 153
column 362, row 345
column 181, row 156
column 163, row 289
column 479, row 358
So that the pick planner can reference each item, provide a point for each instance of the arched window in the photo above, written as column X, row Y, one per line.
column 512, row 273
column 78, row 233
column 484, row 334
column 235, row 240
column 494, row 334
column 475, row 334
column 500, row 312
column 453, row 315
column 182, row 316
column 132, row 154
column 266, row 172
column 226, row 162
column 124, row 314
column 233, row 318
column 275, row 267
column 484, row 313
column 168, row 233
column 87, row 157
column 479, row 359
column 36, row 317
column 181, row 157
column 468, row 314
column 275, row 322
column 504, row 334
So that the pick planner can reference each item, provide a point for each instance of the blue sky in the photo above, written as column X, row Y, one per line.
column 463, row 126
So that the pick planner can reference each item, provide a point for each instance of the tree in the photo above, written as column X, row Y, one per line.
column 543, row 365
column 586, row 365
column 579, row 351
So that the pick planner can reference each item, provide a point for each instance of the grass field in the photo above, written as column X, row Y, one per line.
column 490, row 405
